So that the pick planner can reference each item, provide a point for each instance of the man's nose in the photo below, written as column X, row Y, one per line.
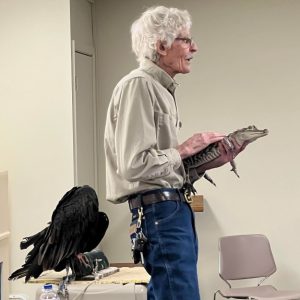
column 194, row 47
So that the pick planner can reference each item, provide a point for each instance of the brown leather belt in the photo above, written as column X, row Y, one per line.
column 155, row 196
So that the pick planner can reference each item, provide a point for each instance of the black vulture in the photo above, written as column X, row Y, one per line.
column 76, row 227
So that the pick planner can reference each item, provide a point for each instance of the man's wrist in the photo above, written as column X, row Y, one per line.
column 182, row 151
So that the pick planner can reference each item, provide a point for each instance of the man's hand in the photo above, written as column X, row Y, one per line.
column 198, row 142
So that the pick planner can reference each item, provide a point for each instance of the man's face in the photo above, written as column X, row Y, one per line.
column 177, row 58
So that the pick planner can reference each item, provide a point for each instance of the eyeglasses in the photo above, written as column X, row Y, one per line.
column 187, row 42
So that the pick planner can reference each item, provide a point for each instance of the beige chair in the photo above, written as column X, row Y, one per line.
column 247, row 257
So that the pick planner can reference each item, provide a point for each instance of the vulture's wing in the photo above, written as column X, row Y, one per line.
column 95, row 234
column 73, row 216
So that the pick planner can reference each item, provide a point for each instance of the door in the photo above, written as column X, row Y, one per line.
column 84, row 116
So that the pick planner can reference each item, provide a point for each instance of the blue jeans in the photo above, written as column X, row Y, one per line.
column 171, row 253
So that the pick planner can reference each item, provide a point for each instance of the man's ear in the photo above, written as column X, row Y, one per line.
column 161, row 48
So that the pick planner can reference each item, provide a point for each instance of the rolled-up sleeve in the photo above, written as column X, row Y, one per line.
column 138, row 155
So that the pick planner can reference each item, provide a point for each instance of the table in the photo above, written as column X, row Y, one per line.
column 129, row 283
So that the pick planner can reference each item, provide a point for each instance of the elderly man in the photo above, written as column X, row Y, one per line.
column 144, row 159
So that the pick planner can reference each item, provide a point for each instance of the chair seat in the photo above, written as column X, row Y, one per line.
column 263, row 292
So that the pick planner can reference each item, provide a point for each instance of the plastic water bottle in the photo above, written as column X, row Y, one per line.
column 48, row 293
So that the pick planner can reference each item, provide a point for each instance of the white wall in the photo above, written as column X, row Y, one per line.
column 36, row 138
column 246, row 72
column 4, row 235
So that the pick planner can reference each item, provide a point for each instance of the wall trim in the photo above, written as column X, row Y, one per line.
column 4, row 235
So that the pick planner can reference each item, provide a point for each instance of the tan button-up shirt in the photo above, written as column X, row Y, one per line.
column 141, row 134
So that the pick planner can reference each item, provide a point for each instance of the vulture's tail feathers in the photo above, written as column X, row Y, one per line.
column 19, row 273
column 27, row 271
column 35, row 271
column 30, row 240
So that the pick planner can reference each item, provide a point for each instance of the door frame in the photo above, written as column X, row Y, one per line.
column 91, row 53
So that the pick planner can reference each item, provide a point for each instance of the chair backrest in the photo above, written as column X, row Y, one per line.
column 245, row 257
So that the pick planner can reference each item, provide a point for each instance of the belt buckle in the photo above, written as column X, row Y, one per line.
column 188, row 197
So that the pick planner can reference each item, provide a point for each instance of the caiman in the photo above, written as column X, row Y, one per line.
column 220, row 153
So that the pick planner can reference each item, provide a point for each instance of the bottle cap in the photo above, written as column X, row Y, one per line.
column 48, row 286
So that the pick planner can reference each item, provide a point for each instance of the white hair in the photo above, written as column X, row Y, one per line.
column 157, row 24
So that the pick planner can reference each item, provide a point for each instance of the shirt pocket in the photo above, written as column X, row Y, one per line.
column 166, row 130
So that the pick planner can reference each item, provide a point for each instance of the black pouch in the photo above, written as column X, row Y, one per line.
column 82, row 270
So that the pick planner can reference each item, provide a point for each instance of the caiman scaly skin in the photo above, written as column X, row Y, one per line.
column 221, row 152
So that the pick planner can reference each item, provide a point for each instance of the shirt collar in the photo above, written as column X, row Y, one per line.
column 159, row 74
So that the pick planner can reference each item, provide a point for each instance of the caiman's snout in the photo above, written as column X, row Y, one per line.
column 248, row 135
column 253, row 129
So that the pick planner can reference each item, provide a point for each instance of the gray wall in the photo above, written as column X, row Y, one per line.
column 246, row 72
